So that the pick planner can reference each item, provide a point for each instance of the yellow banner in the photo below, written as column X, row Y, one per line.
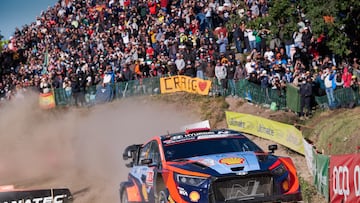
column 47, row 101
column 184, row 83
column 281, row 133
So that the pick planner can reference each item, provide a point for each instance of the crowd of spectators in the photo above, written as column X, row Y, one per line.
column 77, row 44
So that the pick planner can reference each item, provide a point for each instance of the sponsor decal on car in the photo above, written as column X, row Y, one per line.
column 232, row 160
column 194, row 196
column 182, row 191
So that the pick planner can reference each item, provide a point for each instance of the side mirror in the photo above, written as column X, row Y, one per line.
column 127, row 155
column 130, row 152
column 272, row 148
column 146, row 161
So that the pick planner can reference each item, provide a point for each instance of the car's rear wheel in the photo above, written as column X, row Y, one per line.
column 124, row 197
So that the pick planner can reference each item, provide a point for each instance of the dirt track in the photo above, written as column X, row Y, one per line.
column 79, row 149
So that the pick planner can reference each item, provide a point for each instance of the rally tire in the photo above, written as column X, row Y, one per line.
column 162, row 197
column 124, row 197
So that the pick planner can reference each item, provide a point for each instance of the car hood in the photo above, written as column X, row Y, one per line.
column 217, row 164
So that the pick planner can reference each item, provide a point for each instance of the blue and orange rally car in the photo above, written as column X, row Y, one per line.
column 203, row 165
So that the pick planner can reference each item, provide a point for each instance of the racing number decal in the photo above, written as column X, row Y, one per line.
column 150, row 178
column 147, row 185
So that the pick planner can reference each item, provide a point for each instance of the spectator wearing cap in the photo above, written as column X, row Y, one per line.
column 306, row 37
column 306, row 94
column 190, row 70
column 264, row 84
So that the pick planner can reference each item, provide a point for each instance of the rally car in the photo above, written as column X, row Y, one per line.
column 203, row 165
column 9, row 194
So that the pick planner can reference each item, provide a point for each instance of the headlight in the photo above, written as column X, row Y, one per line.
column 189, row 180
column 279, row 170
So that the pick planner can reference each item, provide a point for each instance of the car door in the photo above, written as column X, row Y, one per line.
column 146, row 169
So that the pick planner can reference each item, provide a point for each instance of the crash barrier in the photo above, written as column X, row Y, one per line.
column 106, row 93
column 281, row 133
column 275, row 99
column 150, row 86
column 336, row 177
column 293, row 98
column 263, row 96
column 344, row 97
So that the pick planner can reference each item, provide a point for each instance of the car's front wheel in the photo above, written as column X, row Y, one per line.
column 163, row 197
column 124, row 197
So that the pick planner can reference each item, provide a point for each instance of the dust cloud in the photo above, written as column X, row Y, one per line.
column 80, row 149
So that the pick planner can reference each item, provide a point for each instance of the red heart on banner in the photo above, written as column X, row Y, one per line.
column 202, row 85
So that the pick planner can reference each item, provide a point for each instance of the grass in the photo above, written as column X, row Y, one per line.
column 335, row 132
column 308, row 190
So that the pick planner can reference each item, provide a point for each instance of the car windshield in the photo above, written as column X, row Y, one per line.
column 187, row 149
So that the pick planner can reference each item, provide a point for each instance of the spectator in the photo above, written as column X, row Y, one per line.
column 222, row 42
column 180, row 64
column 305, row 98
column 220, row 73
column 230, row 74
column 328, row 78
column 67, row 87
column 346, row 77
column 79, row 45
column 189, row 70
column 45, row 86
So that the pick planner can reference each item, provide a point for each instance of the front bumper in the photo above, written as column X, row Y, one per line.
column 276, row 198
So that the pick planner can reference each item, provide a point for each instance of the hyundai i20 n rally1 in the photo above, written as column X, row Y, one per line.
column 203, row 165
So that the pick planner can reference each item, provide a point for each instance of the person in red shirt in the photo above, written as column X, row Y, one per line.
column 346, row 77
column 150, row 51
column 152, row 7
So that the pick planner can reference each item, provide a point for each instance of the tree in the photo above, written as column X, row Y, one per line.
column 337, row 21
